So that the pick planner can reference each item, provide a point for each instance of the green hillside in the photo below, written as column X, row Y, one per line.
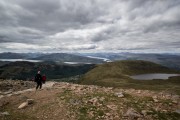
column 26, row 70
column 116, row 74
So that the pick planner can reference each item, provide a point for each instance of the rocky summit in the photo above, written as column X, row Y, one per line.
column 66, row 101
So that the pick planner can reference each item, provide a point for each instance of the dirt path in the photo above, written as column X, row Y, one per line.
column 48, row 84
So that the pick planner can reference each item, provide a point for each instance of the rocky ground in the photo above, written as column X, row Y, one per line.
column 15, row 85
column 65, row 101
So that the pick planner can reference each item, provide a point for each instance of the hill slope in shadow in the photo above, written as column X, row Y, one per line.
column 117, row 74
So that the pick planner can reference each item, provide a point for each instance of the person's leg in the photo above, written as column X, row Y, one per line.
column 37, row 86
column 40, row 84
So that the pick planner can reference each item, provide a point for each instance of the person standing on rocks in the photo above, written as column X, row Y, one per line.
column 38, row 80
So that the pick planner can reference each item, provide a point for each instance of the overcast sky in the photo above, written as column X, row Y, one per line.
column 89, row 25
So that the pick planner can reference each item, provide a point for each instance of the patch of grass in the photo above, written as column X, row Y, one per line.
column 138, row 103
column 126, row 95
column 83, row 110
column 65, row 95
column 147, row 99
column 166, row 101
column 100, row 112
column 164, row 115
column 16, row 115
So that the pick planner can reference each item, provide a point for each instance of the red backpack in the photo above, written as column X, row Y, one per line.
column 44, row 78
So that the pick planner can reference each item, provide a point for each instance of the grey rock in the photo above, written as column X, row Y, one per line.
column 155, row 100
column 1, row 96
column 144, row 112
column 132, row 113
column 74, row 101
column 112, row 107
column 175, row 101
column 101, row 99
column 4, row 113
column 93, row 101
column 9, row 95
column 8, row 92
column 23, row 105
column 139, row 91
column 119, row 94
column 177, row 111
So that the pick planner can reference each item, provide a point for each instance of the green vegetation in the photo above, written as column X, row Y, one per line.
column 116, row 74
column 80, row 105
column 27, row 70
column 93, row 105
column 164, row 116
column 16, row 115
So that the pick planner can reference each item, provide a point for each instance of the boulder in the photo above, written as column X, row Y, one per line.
column 132, row 113
column 4, row 113
column 23, row 105
column 119, row 94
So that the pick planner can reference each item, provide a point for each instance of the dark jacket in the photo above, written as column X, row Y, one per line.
column 38, row 78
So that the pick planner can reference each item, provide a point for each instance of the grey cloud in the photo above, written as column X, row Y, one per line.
column 77, row 25
column 57, row 15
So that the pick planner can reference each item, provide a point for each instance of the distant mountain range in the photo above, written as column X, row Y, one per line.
column 64, row 57
column 58, row 57
column 168, row 60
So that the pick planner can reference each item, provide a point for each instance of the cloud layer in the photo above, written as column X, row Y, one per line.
column 89, row 25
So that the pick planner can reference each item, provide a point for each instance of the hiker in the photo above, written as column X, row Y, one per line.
column 38, row 80
column 43, row 78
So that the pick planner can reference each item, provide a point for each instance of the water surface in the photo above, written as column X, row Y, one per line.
column 73, row 63
column 14, row 60
column 152, row 76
